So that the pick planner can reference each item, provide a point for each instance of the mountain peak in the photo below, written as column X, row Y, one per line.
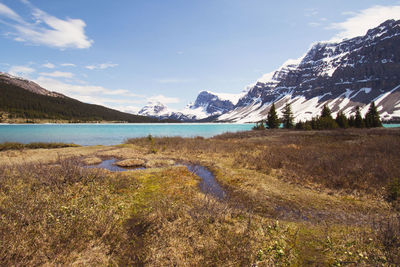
column 340, row 74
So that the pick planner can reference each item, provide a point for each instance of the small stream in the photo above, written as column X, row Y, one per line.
column 208, row 184
column 109, row 165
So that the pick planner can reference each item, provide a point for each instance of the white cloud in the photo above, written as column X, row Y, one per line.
column 105, row 101
column 46, row 29
column 68, row 65
column 9, row 13
column 21, row 71
column 80, row 89
column 163, row 99
column 58, row 74
column 310, row 12
column 120, row 99
column 101, row 66
column 360, row 22
column 49, row 65
column 129, row 109
column 126, row 108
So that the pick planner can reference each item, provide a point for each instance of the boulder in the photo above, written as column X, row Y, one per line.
column 131, row 163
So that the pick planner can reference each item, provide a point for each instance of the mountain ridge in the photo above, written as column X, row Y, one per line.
column 22, row 100
column 342, row 75
column 207, row 104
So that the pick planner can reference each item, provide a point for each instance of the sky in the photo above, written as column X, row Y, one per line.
column 123, row 54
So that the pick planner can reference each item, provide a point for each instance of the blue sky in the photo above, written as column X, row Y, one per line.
column 124, row 53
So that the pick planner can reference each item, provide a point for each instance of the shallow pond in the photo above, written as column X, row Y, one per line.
column 208, row 184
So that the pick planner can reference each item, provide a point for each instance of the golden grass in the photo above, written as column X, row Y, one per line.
column 280, row 210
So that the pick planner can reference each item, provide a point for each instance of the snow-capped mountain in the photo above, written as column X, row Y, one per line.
column 161, row 111
column 342, row 75
column 207, row 104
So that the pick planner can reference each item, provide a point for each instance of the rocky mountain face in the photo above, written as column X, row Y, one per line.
column 211, row 103
column 162, row 112
column 27, row 85
column 207, row 104
column 342, row 75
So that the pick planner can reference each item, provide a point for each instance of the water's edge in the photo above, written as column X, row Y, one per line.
column 208, row 183
column 109, row 134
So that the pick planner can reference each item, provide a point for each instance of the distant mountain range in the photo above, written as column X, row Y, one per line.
column 207, row 104
column 342, row 75
column 25, row 100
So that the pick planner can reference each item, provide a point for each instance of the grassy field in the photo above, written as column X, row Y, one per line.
column 293, row 198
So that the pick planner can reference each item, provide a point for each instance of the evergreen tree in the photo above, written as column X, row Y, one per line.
column 300, row 125
column 325, row 121
column 314, row 123
column 272, row 118
column 326, row 112
column 341, row 120
column 352, row 121
column 372, row 118
column 358, row 120
column 288, row 118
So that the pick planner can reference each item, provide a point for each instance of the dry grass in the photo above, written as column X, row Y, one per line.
column 19, row 146
column 294, row 198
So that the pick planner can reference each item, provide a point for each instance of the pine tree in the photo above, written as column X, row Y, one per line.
column 326, row 112
column 372, row 118
column 352, row 121
column 272, row 118
column 325, row 121
column 358, row 121
column 341, row 120
column 288, row 118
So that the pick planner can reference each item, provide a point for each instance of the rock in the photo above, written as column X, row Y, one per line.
column 92, row 160
column 131, row 163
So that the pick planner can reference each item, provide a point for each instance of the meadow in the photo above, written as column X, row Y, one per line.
column 294, row 198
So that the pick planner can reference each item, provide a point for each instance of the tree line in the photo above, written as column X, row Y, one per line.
column 21, row 103
column 322, row 122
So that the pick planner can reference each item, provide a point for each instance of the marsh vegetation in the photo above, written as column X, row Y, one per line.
column 293, row 198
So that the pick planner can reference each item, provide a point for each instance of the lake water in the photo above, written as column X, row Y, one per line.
column 394, row 125
column 112, row 134
column 109, row 134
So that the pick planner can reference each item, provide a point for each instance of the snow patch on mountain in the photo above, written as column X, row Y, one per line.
column 342, row 75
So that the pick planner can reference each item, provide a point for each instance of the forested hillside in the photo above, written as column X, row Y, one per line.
column 21, row 103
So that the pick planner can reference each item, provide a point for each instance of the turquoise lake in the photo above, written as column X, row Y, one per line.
column 109, row 134
column 112, row 134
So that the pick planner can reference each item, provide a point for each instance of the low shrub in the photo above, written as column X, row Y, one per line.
column 19, row 146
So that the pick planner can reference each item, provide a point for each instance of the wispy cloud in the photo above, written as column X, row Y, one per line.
column 48, row 82
column 21, row 71
column 46, row 29
column 310, row 12
column 101, row 66
column 120, row 99
column 361, row 21
column 49, row 65
column 7, row 12
column 163, row 99
column 68, row 65
column 58, row 74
